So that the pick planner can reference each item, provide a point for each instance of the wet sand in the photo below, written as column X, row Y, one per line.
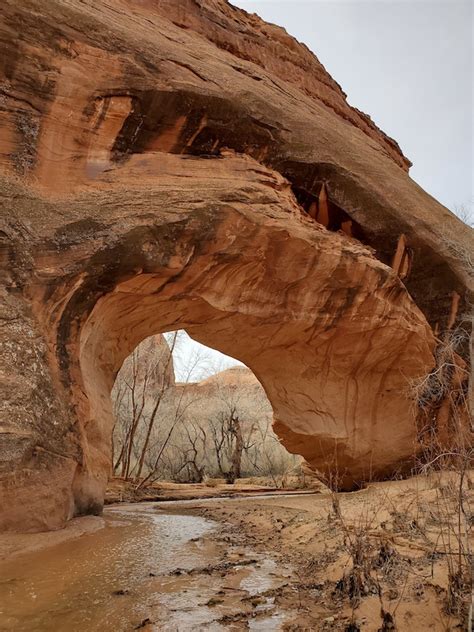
column 142, row 568
column 254, row 563
column 402, row 533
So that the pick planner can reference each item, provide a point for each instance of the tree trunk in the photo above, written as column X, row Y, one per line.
column 236, row 465
column 151, row 423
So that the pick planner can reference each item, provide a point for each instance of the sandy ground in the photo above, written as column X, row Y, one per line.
column 13, row 544
column 119, row 490
column 384, row 558
column 378, row 559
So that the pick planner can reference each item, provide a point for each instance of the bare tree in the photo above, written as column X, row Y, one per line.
column 229, row 443
column 164, row 385
column 138, row 397
column 217, row 427
column 465, row 212
column 181, row 404
column 144, row 377
column 194, row 452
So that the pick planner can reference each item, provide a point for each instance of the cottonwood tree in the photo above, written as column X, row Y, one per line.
column 140, row 388
column 233, row 418
column 193, row 452
column 189, row 431
column 229, row 443
column 158, row 397
column 178, row 400
column 129, row 397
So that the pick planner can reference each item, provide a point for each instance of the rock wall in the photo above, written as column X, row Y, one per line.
column 182, row 164
column 149, row 368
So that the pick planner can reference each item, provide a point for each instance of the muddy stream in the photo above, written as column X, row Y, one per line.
column 148, row 568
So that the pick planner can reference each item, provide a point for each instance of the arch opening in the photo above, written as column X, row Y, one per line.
column 300, row 318
column 184, row 413
column 228, row 257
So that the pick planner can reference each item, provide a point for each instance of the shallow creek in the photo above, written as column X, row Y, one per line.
column 148, row 569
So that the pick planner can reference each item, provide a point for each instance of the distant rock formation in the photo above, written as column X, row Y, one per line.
column 202, row 417
column 149, row 366
column 233, row 377
column 180, row 163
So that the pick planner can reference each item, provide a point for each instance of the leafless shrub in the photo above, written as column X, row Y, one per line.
column 359, row 580
column 447, row 446
column 186, row 432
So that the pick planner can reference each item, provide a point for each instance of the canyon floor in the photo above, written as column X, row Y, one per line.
column 377, row 559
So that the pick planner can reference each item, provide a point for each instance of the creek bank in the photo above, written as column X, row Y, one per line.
column 144, row 569
column 359, row 559
column 276, row 563
column 119, row 490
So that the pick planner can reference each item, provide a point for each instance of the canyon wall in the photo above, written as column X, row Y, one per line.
column 182, row 164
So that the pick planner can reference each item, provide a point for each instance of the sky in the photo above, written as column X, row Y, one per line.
column 406, row 63
column 194, row 362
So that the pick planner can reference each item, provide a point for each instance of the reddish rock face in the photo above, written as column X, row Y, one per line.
column 182, row 164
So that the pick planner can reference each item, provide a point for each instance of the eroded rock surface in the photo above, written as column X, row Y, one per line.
column 182, row 164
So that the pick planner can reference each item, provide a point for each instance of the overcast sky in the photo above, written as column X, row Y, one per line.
column 406, row 63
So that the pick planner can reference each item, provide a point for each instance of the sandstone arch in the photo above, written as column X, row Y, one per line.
column 184, row 187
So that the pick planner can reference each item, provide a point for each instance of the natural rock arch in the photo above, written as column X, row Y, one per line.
column 174, row 192
column 291, row 302
column 311, row 312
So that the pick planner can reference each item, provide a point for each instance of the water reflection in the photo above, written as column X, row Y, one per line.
column 118, row 578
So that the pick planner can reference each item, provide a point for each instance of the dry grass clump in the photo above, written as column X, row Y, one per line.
column 213, row 482
column 370, row 561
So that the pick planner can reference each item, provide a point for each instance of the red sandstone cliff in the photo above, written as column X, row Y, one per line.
column 182, row 163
